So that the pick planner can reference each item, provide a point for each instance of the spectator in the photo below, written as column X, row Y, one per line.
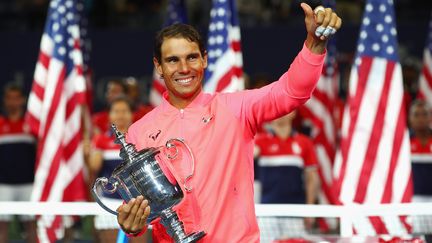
column 421, row 154
column 134, row 95
column 287, row 168
column 17, row 159
column 100, row 120
column 104, row 159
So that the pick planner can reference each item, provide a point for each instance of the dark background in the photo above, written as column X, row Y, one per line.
column 120, row 48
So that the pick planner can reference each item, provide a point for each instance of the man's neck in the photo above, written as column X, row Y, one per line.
column 282, row 131
column 181, row 102
column 14, row 115
column 423, row 136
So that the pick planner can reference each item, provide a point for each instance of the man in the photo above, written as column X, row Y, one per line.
column 420, row 118
column 220, row 129
column 17, row 159
column 287, row 169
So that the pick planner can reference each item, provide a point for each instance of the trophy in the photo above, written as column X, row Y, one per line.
column 146, row 173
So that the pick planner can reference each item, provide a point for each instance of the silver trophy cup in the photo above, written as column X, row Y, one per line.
column 145, row 173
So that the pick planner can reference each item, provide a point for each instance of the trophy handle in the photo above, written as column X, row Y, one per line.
column 102, row 182
column 169, row 144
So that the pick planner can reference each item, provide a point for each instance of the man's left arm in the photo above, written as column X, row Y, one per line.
column 320, row 24
column 295, row 86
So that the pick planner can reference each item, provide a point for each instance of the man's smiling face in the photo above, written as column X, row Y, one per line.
column 182, row 67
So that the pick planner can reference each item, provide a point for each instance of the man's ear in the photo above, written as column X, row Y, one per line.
column 205, row 59
column 157, row 65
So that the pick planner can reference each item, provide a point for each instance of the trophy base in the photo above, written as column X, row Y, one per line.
column 193, row 237
column 174, row 228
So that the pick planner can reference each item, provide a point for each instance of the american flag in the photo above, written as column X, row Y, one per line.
column 176, row 13
column 425, row 82
column 54, row 114
column 225, row 64
column 373, row 164
column 320, row 110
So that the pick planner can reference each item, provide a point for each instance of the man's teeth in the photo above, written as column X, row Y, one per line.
column 186, row 80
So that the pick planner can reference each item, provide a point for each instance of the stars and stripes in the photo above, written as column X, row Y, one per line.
column 373, row 164
column 176, row 13
column 54, row 114
column 425, row 82
column 225, row 64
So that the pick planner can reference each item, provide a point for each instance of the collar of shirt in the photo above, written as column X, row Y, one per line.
column 201, row 100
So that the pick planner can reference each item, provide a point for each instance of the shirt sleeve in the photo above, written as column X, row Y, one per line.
column 309, row 155
column 293, row 88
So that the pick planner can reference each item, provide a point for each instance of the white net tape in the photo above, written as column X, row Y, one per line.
column 348, row 215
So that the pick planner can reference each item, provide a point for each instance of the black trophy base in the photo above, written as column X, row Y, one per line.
column 193, row 237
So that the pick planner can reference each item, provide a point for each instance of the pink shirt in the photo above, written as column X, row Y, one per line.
column 220, row 129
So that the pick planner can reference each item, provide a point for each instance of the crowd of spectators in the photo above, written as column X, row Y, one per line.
column 28, row 15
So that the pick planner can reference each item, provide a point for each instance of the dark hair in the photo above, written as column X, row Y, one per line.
column 120, row 82
column 180, row 31
column 121, row 98
column 12, row 86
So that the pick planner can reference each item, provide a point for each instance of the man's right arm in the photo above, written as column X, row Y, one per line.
column 132, row 216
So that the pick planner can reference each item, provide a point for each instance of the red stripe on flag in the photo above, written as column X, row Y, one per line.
column 427, row 75
column 378, row 225
column 56, row 160
column 44, row 59
column 76, row 190
column 406, row 198
column 388, row 190
column 315, row 119
column 225, row 80
column 236, row 46
column 374, row 138
column 159, row 87
column 56, row 224
column 321, row 137
column 34, row 125
column 55, row 101
column 397, row 143
column 79, row 70
column 38, row 90
column 355, row 102
column 76, row 99
column 328, row 147
column 52, row 174
column 70, row 148
column 323, row 98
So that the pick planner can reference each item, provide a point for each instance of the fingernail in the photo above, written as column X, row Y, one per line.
column 319, row 31
column 132, row 200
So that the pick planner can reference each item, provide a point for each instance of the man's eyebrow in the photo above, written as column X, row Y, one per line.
column 170, row 58
column 193, row 54
column 174, row 57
